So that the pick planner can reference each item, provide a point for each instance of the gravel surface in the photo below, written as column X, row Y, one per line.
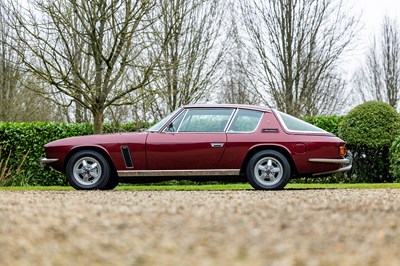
column 290, row 227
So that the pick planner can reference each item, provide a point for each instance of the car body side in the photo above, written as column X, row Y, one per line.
column 154, row 151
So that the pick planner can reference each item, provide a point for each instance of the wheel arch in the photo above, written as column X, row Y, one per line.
column 92, row 148
column 277, row 148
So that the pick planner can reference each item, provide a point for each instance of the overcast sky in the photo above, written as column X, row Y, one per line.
column 372, row 13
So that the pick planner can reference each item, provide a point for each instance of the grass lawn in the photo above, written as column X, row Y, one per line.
column 219, row 187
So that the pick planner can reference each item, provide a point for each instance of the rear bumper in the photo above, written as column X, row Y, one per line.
column 44, row 162
column 346, row 164
column 337, row 161
column 340, row 170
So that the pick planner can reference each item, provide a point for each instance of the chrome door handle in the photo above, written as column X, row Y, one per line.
column 217, row 145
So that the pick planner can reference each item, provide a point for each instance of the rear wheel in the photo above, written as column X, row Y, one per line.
column 268, row 170
column 112, row 183
column 88, row 170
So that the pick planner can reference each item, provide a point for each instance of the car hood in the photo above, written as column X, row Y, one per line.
column 98, row 139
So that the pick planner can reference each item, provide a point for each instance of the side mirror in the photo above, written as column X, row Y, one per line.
column 171, row 128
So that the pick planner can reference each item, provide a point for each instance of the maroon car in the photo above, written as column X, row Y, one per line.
column 263, row 145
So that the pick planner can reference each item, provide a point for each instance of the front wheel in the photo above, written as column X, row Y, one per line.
column 268, row 170
column 88, row 170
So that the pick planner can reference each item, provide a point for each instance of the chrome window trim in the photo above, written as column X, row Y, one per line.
column 178, row 111
column 173, row 120
column 278, row 116
column 183, row 119
column 232, row 117
column 246, row 132
column 230, row 121
column 233, row 111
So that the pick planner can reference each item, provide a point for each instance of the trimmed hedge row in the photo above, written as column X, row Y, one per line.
column 394, row 156
column 328, row 123
column 20, row 139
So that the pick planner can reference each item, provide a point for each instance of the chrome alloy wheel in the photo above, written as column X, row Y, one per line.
column 87, row 171
column 268, row 171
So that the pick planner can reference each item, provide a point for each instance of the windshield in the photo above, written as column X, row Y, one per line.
column 159, row 125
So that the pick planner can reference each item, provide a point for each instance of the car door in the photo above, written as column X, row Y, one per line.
column 196, row 139
column 241, row 136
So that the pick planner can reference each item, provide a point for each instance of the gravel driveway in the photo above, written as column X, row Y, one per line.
column 290, row 227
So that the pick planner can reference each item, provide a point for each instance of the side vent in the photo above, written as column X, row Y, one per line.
column 127, row 156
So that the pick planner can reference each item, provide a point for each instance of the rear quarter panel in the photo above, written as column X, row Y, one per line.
column 299, row 146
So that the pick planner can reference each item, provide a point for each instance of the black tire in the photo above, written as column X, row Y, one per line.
column 112, row 183
column 87, row 170
column 268, row 170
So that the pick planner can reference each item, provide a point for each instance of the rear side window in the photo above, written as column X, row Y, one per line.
column 245, row 121
column 295, row 124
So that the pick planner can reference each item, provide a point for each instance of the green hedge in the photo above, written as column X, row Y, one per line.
column 328, row 123
column 394, row 156
column 19, row 139
column 370, row 129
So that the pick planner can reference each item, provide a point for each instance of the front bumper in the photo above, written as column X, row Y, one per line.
column 44, row 162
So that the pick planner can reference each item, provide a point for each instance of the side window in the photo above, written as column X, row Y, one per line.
column 174, row 126
column 245, row 121
column 206, row 120
column 295, row 124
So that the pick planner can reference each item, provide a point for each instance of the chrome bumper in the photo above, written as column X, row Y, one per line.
column 338, row 161
column 345, row 162
column 45, row 161
column 340, row 170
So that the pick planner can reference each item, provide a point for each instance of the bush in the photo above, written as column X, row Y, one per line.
column 394, row 155
column 128, row 127
column 328, row 123
column 369, row 130
column 19, row 139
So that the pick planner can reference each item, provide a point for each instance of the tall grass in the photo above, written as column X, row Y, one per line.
column 7, row 172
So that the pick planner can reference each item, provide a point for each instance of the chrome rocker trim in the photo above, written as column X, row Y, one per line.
column 201, row 172
column 45, row 161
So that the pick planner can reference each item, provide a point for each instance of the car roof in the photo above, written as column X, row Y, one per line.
column 241, row 106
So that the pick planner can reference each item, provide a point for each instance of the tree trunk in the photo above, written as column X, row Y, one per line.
column 98, row 122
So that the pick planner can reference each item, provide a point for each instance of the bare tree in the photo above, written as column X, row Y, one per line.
column 16, row 102
column 235, row 84
column 379, row 78
column 9, row 73
column 86, row 49
column 297, row 45
column 186, row 70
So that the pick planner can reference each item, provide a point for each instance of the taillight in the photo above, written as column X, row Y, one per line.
column 342, row 150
